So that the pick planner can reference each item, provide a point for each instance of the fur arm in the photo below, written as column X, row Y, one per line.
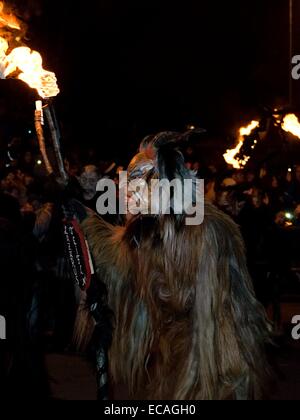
column 105, row 242
column 116, row 265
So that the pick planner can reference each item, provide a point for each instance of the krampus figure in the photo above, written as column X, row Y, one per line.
column 186, row 322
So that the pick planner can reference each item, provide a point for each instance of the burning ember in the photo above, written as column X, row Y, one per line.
column 232, row 156
column 23, row 63
column 291, row 125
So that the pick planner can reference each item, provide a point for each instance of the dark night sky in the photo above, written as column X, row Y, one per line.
column 128, row 68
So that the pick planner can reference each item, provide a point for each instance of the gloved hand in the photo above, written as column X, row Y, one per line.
column 74, row 208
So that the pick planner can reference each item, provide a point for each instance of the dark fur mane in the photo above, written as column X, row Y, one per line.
column 187, row 323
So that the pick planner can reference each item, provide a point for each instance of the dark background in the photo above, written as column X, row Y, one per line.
column 129, row 68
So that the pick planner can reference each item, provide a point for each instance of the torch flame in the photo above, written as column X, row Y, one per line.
column 230, row 155
column 29, row 63
column 26, row 63
column 8, row 20
column 291, row 125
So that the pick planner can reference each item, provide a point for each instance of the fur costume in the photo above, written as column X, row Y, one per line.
column 186, row 322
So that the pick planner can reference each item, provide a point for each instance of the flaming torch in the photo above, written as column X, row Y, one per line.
column 8, row 20
column 232, row 155
column 27, row 65
column 291, row 125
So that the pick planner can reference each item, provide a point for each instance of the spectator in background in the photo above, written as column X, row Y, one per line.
column 297, row 216
column 239, row 177
column 88, row 181
column 293, row 187
column 27, row 163
column 250, row 178
column 22, row 372
column 274, row 190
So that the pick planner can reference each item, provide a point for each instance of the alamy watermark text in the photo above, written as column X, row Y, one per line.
column 2, row 328
column 157, row 197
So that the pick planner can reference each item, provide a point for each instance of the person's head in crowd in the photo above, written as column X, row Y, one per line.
column 239, row 177
column 27, row 162
column 91, row 155
column 258, row 198
column 8, row 182
column 210, row 191
column 14, row 184
column 250, row 177
column 9, row 208
column 297, row 213
column 28, row 180
column 297, row 173
column 274, row 183
column 213, row 169
column 189, row 153
column 270, row 182
column 196, row 166
column 189, row 165
column 280, row 219
column 72, row 168
column 263, row 172
column 88, row 181
column 28, row 158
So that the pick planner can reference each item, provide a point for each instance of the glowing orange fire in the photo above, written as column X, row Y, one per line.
column 291, row 125
column 231, row 155
column 8, row 19
column 25, row 63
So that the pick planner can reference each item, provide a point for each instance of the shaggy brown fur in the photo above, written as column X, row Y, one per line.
column 187, row 324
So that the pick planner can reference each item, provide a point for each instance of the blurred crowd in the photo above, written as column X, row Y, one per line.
column 37, row 293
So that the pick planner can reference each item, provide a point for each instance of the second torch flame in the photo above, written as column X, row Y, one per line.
column 231, row 156
column 291, row 125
